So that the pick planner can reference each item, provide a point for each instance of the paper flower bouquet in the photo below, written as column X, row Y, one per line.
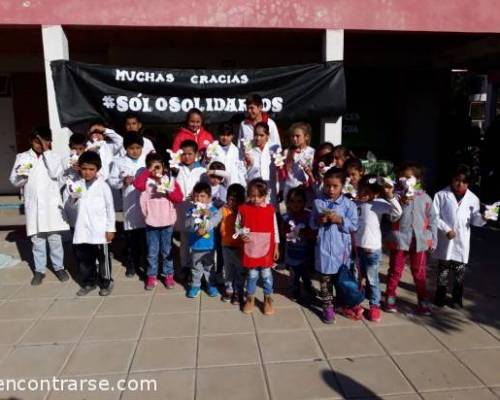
column 213, row 150
column 24, row 169
column 76, row 189
column 491, row 212
column 165, row 185
column 294, row 234
column 201, row 221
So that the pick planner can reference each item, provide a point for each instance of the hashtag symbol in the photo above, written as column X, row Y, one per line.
column 108, row 102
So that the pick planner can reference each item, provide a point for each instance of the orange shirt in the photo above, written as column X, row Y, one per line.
column 227, row 228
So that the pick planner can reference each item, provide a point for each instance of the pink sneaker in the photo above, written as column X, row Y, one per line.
column 169, row 281
column 374, row 314
column 150, row 282
column 389, row 305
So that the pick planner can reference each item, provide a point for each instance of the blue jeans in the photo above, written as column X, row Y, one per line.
column 159, row 240
column 369, row 262
column 267, row 280
column 56, row 251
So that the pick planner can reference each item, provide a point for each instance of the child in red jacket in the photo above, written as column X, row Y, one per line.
column 193, row 130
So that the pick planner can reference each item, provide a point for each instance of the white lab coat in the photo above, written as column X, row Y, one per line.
column 246, row 132
column 121, row 167
column 263, row 167
column 42, row 199
column 95, row 214
column 111, row 148
column 458, row 217
column 231, row 158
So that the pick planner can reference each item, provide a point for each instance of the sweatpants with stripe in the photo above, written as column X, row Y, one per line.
column 94, row 264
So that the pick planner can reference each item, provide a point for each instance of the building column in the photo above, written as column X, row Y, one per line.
column 55, row 47
column 333, row 50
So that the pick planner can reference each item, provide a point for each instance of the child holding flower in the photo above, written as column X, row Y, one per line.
column 262, row 159
column 299, row 157
column 203, row 218
column 160, row 193
column 124, row 170
column 37, row 171
column 413, row 235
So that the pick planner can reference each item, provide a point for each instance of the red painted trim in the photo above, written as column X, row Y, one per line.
column 396, row 15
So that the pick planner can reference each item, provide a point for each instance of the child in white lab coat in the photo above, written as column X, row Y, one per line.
column 225, row 151
column 259, row 159
column 124, row 170
column 107, row 143
column 36, row 171
column 94, row 227
column 71, row 174
column 189, row 174
column 457, row 209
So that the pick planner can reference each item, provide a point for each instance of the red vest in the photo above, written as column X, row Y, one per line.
column 259, row 251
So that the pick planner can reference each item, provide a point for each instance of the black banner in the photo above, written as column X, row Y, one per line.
column 290, row 93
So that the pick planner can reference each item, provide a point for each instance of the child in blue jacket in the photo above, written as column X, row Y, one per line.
column 202, row 219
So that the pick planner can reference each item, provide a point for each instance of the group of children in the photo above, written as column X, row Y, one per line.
column 226, row 201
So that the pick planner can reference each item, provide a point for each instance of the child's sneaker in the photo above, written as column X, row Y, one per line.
column 227, row 296
column 237, row 299
column 150, row 282
column 62, row 275
column 347, row 312
column 424, row 309
column 329, row 315
column 389, row 305
column 169, row 281
column 212, row 291
column 193, row 292
column 374, row 314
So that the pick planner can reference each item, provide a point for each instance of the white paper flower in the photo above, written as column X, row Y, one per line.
column 201, row 221
column 24, row 169
column 322, row 167
column 294, row 234
column 409, row 185
column 95, row 145
column 492, row 211
column 77, row 189
column 175, row 158
column 349, row 187
column 240, row 231
column 279, row 158
column 166, row 185
column 213, row 150
column 73, row 159
column 247, row 145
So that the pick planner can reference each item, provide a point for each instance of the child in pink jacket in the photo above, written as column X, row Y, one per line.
column 159, row 194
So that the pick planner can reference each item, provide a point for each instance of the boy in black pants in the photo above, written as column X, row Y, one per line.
column 94, row 226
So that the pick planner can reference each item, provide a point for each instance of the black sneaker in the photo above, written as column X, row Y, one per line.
column 85, row 290
column 107, row 290
column 62, row 275
column 227, row 296
column 37, row 278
